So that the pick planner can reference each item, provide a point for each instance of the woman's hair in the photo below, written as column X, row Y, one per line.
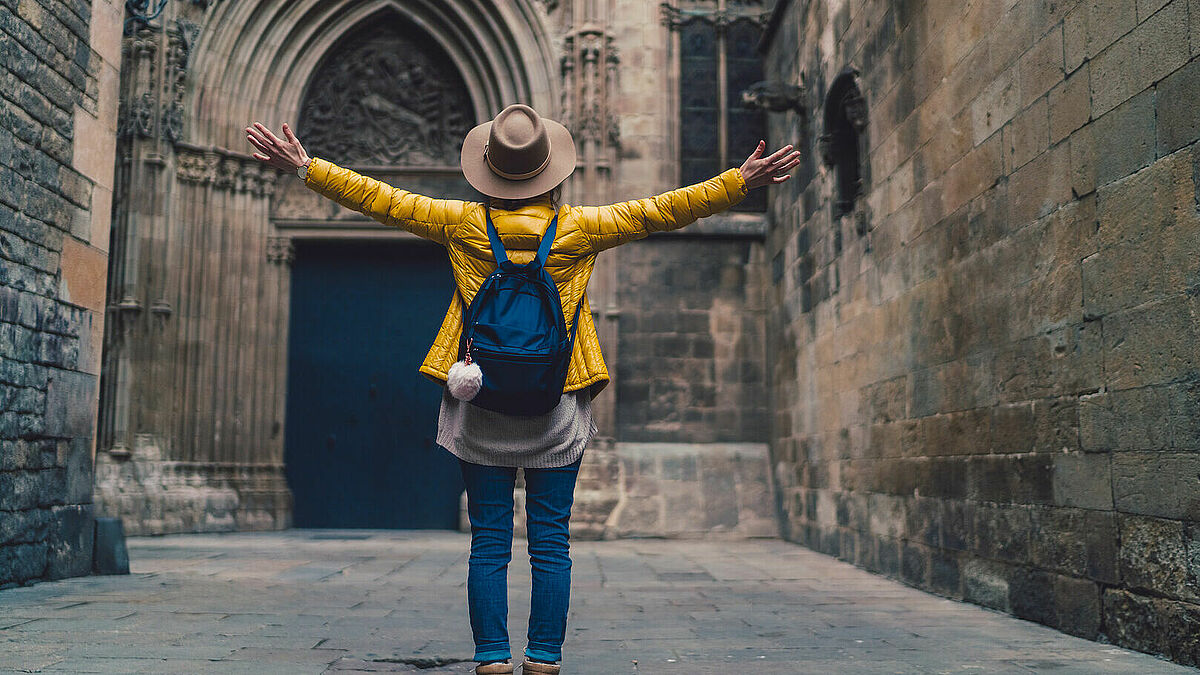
column 512, row 204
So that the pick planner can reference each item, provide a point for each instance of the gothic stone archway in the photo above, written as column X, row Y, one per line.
column 193, row 405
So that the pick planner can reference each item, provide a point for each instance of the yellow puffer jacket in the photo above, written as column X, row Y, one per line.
column 583, row 231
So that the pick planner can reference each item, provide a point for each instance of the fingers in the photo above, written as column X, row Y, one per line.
column 257, row 137
column 779, row 153
column 258, row 144
column 253, row 130
column 758, row 151
column 789, row 166
column 288, row 132
column 270, row 136
column 787, row 163
column 791, row 157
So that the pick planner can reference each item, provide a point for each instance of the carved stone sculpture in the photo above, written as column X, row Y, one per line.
column 387, row 98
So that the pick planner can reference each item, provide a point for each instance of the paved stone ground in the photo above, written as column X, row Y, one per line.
column 320, row 601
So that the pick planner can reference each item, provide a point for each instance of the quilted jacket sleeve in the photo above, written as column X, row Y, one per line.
column 609, row 226
column 423, row 216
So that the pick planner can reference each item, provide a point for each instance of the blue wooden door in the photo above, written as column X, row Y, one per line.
column 361, row 421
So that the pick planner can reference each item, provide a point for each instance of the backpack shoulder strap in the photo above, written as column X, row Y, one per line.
column 501, row 255
column 547, row 242
column 498, row 251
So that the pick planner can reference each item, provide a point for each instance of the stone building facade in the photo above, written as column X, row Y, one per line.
column 59, row 65
column 983, row 323
column 213, row 364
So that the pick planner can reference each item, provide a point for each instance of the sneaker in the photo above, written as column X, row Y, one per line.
column 495, row 668
column 539, row 667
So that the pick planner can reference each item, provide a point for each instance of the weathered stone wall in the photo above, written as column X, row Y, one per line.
column 691, row 341
column 59, row 63
column 986, row 378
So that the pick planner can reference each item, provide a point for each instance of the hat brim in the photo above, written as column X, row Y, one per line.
column 482, row 178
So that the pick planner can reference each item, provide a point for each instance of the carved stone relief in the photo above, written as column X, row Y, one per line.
column 387, row 96
column 149, row 98
column 587, row 109
column 280, row 250
column 224, row 170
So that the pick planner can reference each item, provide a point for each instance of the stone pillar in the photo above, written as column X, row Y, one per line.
column 589, row 70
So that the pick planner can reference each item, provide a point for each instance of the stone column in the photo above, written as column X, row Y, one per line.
column 589, row 69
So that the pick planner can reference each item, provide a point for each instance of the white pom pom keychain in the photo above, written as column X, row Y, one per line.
column 465, row 379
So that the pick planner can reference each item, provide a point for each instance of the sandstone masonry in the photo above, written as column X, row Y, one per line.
column 986, row 377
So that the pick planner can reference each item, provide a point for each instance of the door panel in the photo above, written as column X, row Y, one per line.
column 361, row 421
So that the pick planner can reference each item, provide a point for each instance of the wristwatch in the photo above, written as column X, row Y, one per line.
column 302, row 171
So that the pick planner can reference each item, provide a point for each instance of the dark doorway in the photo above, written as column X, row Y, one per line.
column 361, row 421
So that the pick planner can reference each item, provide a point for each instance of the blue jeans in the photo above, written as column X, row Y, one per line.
column 549, row 494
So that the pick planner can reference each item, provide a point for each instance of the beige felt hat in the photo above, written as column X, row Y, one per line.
column 519, row 154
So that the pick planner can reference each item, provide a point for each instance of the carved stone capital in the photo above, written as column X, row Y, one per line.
column 224, row 170
column 227, row 172
column 195, row 167
column 141, row 42
column 281, row 250
column 671, row 16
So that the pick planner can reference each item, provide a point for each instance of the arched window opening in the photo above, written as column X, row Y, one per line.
column 843, row 141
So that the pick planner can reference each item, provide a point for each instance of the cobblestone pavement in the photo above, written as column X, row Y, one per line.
column 314, row 601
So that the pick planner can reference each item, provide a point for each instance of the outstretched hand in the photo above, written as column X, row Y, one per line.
column 283, row 154
column 770, row 170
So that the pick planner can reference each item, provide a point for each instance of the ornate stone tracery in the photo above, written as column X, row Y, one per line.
column 674, row 16
column 385, row 96
column 587, row 111
column 153, row 103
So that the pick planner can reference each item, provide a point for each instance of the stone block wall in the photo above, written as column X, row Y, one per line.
column 59, row 64
column 986, row 378
column 690, row 341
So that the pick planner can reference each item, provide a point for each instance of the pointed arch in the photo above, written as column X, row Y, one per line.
column 386, row 95
column 254, row 58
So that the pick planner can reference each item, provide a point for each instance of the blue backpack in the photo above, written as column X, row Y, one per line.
column 514, row 330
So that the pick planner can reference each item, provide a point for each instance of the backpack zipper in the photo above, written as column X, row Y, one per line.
column 506, row 356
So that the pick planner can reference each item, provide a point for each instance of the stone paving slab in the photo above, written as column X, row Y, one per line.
column 344, row 601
